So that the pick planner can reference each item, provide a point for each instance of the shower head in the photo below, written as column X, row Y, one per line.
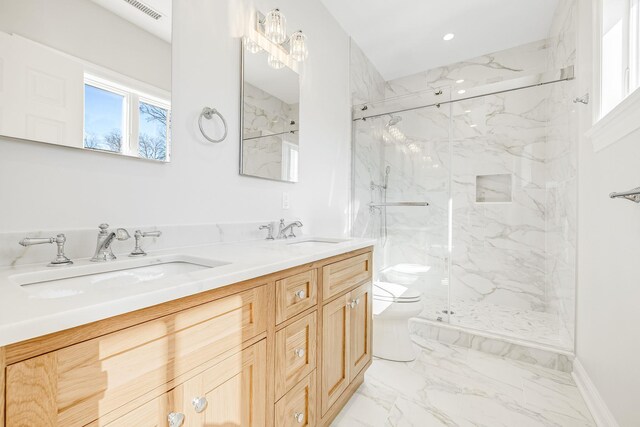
column 394, row 120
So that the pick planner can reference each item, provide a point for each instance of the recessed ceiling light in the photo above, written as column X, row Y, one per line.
column 448, row 37
column 460, row 81
column 467, row 111
column 461, row 91
column 472, row 126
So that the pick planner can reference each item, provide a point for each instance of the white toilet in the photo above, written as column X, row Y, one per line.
column 393, row 305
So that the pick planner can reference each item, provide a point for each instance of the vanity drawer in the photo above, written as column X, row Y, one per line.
column 298, row 406
column 295, row 353
column 296, row 294
column 78, row 384
column 343, row 275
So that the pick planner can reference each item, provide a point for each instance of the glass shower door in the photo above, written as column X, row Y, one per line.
column 401, row 198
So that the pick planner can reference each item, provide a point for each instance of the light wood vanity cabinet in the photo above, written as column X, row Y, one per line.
column 287, row 349
column 346, row 342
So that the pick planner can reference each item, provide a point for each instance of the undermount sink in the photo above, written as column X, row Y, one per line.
column 76, row 280
column 317, row 242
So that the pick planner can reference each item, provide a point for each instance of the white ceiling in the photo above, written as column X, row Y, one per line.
column 160, row 28
column 403, row 37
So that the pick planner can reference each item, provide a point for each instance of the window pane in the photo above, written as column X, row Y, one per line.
column 153, row 133
column 103, row 124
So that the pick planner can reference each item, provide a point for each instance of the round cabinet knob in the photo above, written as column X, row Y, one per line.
column 357, row 301
column 301, row 294
column 299, row 352
column 199, row 404
column 176, row 419
column 352, row 304
column 299, row 417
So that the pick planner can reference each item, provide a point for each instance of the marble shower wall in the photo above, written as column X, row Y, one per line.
column 498, row 251
column 518, row 253
column 508, row 64
column 367, row 85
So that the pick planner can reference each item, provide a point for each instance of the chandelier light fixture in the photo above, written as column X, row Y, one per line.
column 273, row 26
column 274, row 62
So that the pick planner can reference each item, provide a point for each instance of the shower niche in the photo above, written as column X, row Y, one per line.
column 494, row 188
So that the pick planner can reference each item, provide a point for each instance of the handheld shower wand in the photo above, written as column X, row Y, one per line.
column 387, row 171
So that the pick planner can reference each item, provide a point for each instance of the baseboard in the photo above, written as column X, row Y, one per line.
column 599, row 410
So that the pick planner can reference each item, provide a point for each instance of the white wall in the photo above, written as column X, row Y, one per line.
column 45, row 187
column 85, row 30
column 608, row 314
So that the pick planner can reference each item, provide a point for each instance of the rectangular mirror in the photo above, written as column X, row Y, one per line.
column 89, row 74
column 270, row 112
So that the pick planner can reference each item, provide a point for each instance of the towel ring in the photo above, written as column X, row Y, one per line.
column 208, row 113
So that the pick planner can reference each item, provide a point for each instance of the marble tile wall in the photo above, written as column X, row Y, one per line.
column 366, row 83
column 504, row 65
column 81, row 243
column 498, row 251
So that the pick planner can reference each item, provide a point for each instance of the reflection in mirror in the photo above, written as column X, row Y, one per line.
column 271, row 99
column 92, row 74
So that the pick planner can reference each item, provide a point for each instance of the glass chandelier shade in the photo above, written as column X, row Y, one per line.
column 274, row 62
column 251, row 46
column 298, row 46
column 275, row 26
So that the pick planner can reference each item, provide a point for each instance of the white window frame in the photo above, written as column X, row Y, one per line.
column 131, row 108
column 622, row 120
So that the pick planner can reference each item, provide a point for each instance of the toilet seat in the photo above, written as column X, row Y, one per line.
column 394, row 293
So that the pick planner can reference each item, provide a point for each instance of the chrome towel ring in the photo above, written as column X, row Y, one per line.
column 208, row 114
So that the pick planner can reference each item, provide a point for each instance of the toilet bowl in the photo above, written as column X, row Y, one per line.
column 393, row 305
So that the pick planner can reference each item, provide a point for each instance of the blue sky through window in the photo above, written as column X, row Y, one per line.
column 152, row 141
column 103, row 112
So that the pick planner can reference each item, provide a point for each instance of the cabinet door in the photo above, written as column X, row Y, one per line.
column 335, row 350
column 232, row 393
column 360, row 329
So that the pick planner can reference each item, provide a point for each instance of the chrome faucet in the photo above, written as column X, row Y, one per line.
column 282, row 231
column 267, row 227
column 105, row 238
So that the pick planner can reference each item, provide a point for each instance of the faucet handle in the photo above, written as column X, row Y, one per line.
column 267, row 227
column 138, row 251
column 59, row 240
column 104, row 228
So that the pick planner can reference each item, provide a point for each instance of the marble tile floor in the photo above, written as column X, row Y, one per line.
column 454, row 386
column 535, row 326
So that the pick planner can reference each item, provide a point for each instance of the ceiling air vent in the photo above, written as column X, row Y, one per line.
column 144, row 9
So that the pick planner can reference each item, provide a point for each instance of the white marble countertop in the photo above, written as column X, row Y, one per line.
column 25, row 313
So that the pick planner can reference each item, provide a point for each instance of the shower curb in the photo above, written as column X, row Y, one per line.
column 534, row 354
